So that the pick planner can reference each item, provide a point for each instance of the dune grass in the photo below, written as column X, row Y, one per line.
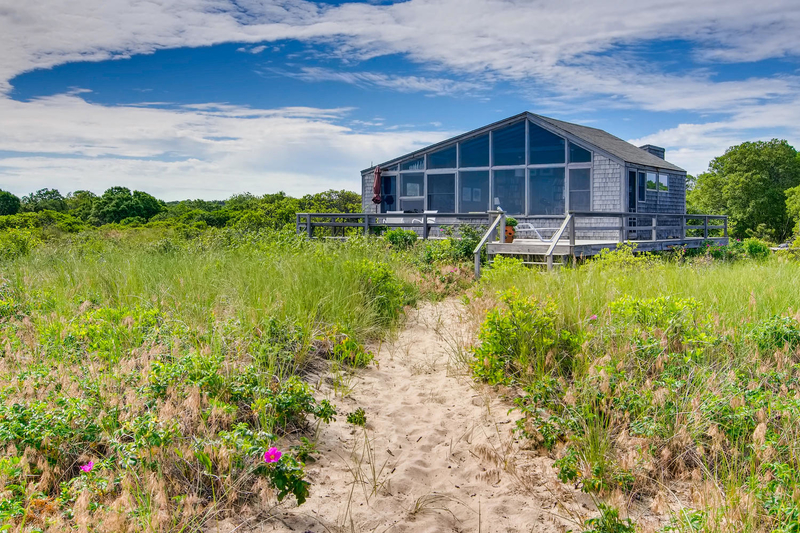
column 672, row 383
column 145, row 378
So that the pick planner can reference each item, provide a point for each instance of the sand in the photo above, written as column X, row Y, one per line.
column 437, row 455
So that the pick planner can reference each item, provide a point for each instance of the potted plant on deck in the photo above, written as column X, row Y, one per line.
column 511, row 224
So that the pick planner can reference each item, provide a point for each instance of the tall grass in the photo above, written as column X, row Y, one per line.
column 737, row 291
column 167, row 366
column 684, row 387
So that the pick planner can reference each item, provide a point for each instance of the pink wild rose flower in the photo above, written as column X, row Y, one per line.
column 88, row 467
column 593, row 317
column 273, row 455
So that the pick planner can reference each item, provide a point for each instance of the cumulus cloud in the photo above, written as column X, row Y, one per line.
column 212, row 149
column 565, row 52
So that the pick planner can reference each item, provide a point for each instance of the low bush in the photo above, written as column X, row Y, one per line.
column 400, row 238
column 520, row 341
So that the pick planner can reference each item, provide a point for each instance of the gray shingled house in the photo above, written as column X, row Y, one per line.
column 529, row 165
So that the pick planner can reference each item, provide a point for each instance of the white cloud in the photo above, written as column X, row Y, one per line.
column 564, row 53
column 403, row 84
column 213, row 150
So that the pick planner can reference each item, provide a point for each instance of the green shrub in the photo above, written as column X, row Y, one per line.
column 387, row 293
column 16, row 243
column 624, row 257
column 775, row 333
column 400, row 238
column 756, row 248
column 517, row 340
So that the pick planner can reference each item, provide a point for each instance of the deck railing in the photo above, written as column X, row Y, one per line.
column 365, row 222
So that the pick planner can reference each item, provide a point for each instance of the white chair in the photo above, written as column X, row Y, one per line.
column 394, row 221
column 433, row 232
column 527, row 226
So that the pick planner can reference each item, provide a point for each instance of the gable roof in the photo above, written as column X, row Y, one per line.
column 598, row 138
column 611, row 144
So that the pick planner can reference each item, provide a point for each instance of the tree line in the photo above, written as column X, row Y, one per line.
column 120, row 205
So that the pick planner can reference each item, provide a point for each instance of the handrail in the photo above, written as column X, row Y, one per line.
column 304, row 224
column 484, row 240
column 556, row 238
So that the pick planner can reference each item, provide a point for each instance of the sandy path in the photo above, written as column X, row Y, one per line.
column 437, row 454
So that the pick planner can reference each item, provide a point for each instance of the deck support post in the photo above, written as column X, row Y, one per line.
column 424, row 227
column 309, row 229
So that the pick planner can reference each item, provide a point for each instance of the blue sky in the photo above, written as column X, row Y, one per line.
column 204, row 98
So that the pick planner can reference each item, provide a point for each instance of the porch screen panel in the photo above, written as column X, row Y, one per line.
column 412, row 192
column 388, row 193
column 546, row 189
column 445, row 158
column 580, row 189
column 473, row 191
column 442, row 193
column 508, row 145
column 545, row 148
column 509, row 191
column 474, row 152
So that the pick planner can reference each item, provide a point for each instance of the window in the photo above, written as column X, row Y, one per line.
column 545, row 147
column 663, row 182
column 445, row 158
column 388, row 193
column 392, row 168
column 546, row 190
column 412, row 205
column 580, row 189
column 412, row 192
column 508, row 145
column 652, row 181
column 509, row 191
column 578, row 154
column 642, row 186
column 473, row 191
column 414, row 164
column 475, row 152
column 442, row 192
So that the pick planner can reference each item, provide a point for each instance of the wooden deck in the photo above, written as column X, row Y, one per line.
column 590, row 247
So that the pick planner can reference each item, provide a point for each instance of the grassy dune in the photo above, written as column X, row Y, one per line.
column 672, row 384
column 145, row 379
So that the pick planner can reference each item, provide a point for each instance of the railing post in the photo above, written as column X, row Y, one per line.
column 683, row 227
column 366, row 225
column 309, row 229
column 705, row 227
column 725, row 228
column 297, row 223
column 572, row 233
column 501, row 228
column 622, row 228
column 478, row 264
column 424, row 227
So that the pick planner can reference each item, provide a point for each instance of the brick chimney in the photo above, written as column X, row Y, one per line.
column 655, row 150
